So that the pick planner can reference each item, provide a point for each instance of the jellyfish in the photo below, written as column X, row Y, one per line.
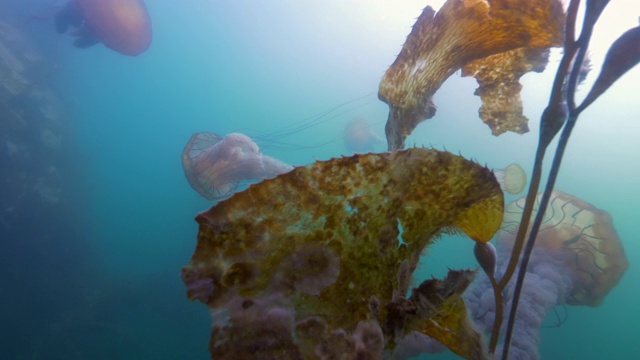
column 512, row 178
column 217, row 166
column 578, row 258
column 121, row 25
column 359, row 137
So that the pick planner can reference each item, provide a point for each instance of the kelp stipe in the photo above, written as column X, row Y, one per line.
column 622, row 56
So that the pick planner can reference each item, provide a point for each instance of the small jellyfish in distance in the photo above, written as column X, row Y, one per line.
column 216, row 166
column 359, row 137
column 512, row 178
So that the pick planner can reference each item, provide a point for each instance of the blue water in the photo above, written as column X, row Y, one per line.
column 98, row 276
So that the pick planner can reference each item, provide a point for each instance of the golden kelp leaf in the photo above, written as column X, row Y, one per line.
column 324, row 247
column 462, row 31
column 450, row 324
column 498, row 76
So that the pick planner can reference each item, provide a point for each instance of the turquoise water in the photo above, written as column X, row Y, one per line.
column 224, row 66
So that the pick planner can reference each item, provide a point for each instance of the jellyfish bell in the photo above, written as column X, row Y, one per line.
column 121, row 25
column 512, row 178
column 217, row 166
column 577, row 259
column 359, row 137
column 586, row 239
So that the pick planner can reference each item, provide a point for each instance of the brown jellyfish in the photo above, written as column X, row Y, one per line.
column 121, row 25
column 217, row 166
column 359, row 137
column 587, row 239
column 577, row 259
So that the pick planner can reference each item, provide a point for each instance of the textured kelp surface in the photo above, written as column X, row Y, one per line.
column 499, row 79
column 441, row 43
column 324, row 255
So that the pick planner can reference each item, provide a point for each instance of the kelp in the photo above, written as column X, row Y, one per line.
column 460, row 32
column 446, row 296
column 497, row 42
column 562, row 114
column 498, row 76
column 324, row 254
column 316, row 263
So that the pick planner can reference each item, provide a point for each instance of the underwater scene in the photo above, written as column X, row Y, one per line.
column 218, row 179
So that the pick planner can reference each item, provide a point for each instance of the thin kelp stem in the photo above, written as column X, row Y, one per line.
column 550, row 125
column 498, row 287
column 546, row 136
column 546, row 196
column 497, row 295
column 552, row 119
column 551, row 122
column 524, row 224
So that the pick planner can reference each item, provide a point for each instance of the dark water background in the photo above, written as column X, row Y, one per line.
column 92, row 271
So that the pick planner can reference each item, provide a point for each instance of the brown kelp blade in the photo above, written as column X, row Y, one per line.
column 623, row 54
column 450, row 324
column 441, row 43
column 322, row 250
column 499, row 79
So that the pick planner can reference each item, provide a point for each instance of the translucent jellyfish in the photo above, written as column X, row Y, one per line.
column 512, row 179
column 121, row 25
column 359, row 137
column 217, row 166
column 578, row 259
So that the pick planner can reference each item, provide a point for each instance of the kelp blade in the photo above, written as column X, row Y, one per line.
column 331, row 244
column 462, row 31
